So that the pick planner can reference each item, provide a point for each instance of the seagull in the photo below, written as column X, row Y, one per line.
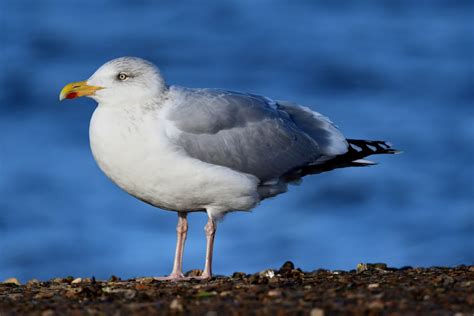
column 205, row 150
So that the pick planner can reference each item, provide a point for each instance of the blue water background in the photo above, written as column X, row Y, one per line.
column 400, row 71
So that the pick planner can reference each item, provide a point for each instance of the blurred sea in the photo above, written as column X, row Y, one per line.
column 400, row 71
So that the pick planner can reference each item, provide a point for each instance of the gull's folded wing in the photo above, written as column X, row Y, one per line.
column 250, row 133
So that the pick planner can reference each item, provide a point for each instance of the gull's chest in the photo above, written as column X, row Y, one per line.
column 130, row 148
column 119, row 139
column 135, row 152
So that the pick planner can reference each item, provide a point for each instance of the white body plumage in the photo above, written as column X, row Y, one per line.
column 158, row 172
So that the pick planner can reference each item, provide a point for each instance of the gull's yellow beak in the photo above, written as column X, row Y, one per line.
column 76, row 90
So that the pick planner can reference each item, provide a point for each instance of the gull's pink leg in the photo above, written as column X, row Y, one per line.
column 210, row 230
column 181, row 230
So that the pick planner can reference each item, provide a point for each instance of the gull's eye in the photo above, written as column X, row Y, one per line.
column 122, row 76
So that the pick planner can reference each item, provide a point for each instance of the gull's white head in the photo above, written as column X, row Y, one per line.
column 121, row 81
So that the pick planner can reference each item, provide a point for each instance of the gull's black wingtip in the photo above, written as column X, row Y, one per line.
column 355, row 156
column 371, row 147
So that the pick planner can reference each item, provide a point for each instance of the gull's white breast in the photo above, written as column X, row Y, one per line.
column 132, row 147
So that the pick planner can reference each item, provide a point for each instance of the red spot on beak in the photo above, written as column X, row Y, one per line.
column 71, row 95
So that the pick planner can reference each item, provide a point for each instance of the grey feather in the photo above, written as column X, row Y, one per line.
column 331, row 141
column 248, row 133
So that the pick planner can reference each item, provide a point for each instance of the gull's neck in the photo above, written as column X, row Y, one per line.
column 153, row 103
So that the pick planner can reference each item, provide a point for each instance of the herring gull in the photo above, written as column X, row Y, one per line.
column 211, row 150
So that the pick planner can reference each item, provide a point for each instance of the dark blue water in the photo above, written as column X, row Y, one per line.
column 394, row 70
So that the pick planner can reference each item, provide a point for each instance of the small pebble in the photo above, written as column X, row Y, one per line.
column 361, row 267
column 73, row 292
column 373, row 285
column 176, row 305
column 288, row 265
column 57, row 280
column 192, row 273
column 447, row 280
column 274, row 293
column 316, row 312
column 114, row 278
column 48, row 312
column 33, row 282
column 238, row 275
column 268, row 273
column 76, row 281
column 225, row 293
column 43, row 295
column 12, row 281
column 141, row 287
column 379, row 266
column 258, row 279
column 145, row 280
column 378, row 304
column 128, row 294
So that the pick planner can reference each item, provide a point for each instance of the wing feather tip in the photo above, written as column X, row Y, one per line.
column 364, row 162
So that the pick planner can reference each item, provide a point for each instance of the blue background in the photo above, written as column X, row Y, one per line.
column 400, row 71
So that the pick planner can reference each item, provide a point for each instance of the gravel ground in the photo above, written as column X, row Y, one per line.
column 371, row 289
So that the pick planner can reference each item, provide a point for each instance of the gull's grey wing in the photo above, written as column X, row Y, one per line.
column 244, row 132
column 330, row 140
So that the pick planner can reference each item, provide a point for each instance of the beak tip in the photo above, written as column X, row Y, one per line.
column 77, row 89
